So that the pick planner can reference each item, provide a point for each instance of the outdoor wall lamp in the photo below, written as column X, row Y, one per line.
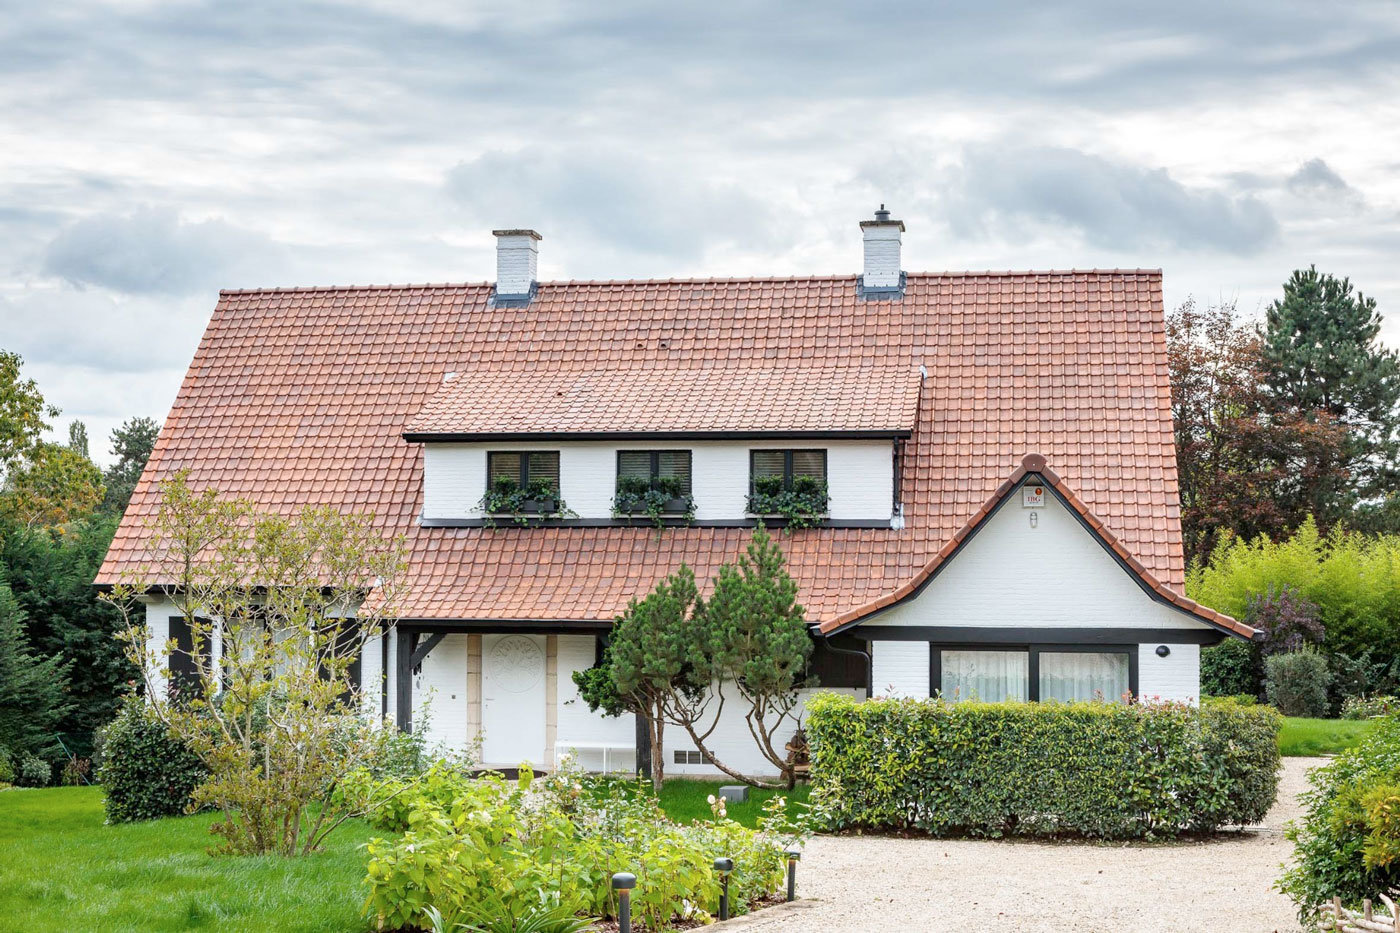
column 1163, row 651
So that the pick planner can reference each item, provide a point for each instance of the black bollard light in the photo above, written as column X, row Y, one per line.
column 724, row 866
column 623, row 883
column 793, row 855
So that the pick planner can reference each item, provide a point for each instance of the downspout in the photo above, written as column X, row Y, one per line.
column 869, row 660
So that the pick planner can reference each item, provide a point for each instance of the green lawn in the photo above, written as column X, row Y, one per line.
column 1320, row 736
column 62, row 869
column 687, row 799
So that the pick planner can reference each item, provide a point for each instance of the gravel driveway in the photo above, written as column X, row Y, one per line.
column 916, row 885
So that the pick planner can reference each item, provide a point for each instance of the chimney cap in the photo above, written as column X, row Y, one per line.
column 520, row 232
column 882, row 219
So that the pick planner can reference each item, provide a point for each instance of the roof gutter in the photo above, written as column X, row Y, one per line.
column 418, row 437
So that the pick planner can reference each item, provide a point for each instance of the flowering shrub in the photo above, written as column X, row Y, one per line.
column 1364, row 707
column 468, row 841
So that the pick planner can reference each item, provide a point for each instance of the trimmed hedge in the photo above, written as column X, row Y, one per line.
column 1103, row 770
column 146, row 772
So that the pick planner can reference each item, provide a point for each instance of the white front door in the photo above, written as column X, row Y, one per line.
column 512, row 700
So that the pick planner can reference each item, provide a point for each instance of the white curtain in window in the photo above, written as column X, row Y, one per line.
column 1083, row 675
column 990, row 676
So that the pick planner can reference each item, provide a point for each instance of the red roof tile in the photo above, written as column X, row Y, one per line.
column 300, row 396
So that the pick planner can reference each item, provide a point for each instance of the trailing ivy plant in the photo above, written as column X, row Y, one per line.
column 657, row 501
column 803, row 504
column 538, row 500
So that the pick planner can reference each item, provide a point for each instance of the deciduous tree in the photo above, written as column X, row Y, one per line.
column 23, row 412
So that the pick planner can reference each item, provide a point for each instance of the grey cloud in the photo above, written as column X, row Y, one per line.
column 153, row 251
column 1113, row 205
column 617, row 199
column 1316, row 177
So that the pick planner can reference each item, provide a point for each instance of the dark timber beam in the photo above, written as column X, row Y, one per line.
column 409, row 656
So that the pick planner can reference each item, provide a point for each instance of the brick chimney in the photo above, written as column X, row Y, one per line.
column 517, row 256
column 882, row 240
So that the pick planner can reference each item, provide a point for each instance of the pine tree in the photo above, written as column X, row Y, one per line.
column 33, row 690
column 1321, row 354
column 132, row 444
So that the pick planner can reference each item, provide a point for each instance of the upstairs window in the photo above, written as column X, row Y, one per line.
column 522, row 482
column 788, row 483
column 654, row 482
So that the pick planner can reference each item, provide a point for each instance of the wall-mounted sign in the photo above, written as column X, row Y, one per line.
column 1032, row 496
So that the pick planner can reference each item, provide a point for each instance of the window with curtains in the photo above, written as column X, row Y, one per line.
column 1039, row 672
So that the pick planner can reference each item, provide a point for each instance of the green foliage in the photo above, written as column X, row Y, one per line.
column 146, row 771
column 1229, row 669
column 34, row 771
column 23, row 413
column 32, row 689
column 54, row 486
column 7, row 767
column 658, row 500
column 539, row 500
column 1346, row 841
column 51, row 572
column 1102, row 770
column 548, row 916
column 1321, row 352
column 132, row 444
column 474, row 844
column 1296, row 683
column 1363, row 707
column 598, row 689
column 803, row 505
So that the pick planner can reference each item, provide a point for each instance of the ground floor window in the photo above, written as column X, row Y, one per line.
column 1051, row 672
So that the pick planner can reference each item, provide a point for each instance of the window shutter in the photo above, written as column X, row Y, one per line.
column 809, row 463
column 636, row 463
column 768, row 463
column 545, row 465
column 674, row 463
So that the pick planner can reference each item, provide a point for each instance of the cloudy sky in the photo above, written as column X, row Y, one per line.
column 154, row 151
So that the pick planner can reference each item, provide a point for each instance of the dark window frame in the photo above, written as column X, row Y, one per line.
column 524, row 478
column 655, row 456
column 787, row 453
column 1034, row 650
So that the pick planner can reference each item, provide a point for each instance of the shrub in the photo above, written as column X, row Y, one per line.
column 146, row 772
column 1296, row 683
column 1230, row 668
column 485, row 842
column 1370, row 707
column 1089, row 769
column 1284, row 618
column 34, row 772
column 7, row 767
column 1346, row 842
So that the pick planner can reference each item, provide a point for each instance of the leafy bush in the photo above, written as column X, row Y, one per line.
column 1285, row 620
column 992, row 769
column 34, row 772
column 146, row 772
column 1230, row 668
column 1296, row 683
column 539, row 499
column 481, row 842
column 1370, row 707
column 803, row 505
column 1346, row 843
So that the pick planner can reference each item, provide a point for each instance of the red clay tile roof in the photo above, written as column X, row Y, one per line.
column 302, row 395
column 752, row 396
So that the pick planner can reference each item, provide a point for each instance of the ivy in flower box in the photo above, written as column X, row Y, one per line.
column 803, row 504
column 656, row 499
column 538, row 500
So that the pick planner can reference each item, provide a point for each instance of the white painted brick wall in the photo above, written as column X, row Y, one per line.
column 440, row 694
column 881, row 256
column 900, row 668
column 860, row 476
column 1175, row 677
column 516, row 259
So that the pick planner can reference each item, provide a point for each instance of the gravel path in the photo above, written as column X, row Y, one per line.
column 916, row 885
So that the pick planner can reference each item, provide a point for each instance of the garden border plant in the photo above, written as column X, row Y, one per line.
column 1102, row 770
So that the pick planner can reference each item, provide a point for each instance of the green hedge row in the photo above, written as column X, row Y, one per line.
column 1089, row 769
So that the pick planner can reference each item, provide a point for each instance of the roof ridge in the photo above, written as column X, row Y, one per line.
column 697, row 280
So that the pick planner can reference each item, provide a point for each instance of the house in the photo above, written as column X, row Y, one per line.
column 989, row 454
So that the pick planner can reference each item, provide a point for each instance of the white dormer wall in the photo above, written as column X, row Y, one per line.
column 860, row 476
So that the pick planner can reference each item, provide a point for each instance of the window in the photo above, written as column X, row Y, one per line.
column 787, row 464
column 1065, row 673
column 660, row 469
column 523, row 467
column 691, row 757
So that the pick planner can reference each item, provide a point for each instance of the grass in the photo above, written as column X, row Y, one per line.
column 1301, row 736
column 63, row 869
column 686, row 800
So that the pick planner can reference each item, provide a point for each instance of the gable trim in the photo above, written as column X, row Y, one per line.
column 1034, row 465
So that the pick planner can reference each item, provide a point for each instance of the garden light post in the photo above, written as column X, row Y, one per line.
column 623, row 883
column 724, row 866
column 793, row 855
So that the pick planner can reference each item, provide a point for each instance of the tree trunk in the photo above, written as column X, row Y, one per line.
column 658, row 750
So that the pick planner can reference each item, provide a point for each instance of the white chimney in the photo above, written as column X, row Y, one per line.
column 882, row 238
column 517, row 256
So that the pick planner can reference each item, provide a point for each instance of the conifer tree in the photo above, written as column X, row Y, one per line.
column 33, row 690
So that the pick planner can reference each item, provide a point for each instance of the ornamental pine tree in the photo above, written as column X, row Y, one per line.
column 758, row 641
column 1321, row 354
column 33, row 690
